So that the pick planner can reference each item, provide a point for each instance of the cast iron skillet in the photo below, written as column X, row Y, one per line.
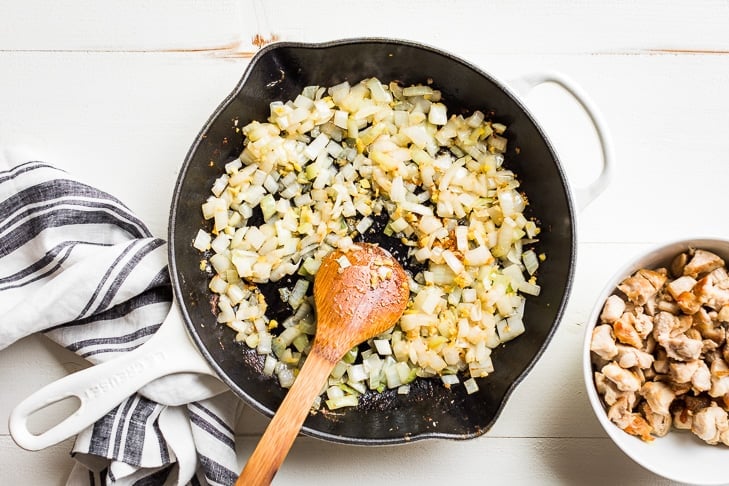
column 279, row 72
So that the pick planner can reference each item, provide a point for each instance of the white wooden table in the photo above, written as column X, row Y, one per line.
column 115, row 92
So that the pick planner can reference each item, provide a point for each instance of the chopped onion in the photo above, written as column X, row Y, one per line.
column 202, row 240
column 320, row 172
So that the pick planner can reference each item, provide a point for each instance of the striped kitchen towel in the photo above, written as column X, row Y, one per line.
column 77, row 265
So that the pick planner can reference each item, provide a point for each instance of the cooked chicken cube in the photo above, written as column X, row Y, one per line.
column 683, row 348
column 723, row 314
column 663, row 324
column 638, row 426
column 643, row 325
column 658, row 395
column 613, row 309
column 708, row 327
column 709, row 424
column 702, row 261
column 625, row 331
column 657, row 278
column 678, row 264
column 623, row 379
column 682, row 371
column 638, row 288
column 688, row 302
column 710, row 294
column 719, row 378
column 720, row 277
column 680, row 285
column 630, row 357
column 603, row 342
column 669, row 306
column 660, row 423
column 701, row 379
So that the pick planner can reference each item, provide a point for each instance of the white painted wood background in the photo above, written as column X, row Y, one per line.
column 115, row 92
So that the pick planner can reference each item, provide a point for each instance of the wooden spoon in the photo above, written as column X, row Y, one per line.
column 358, row 295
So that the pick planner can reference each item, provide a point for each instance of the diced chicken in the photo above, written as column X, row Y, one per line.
column 710, row 294
column 657, row 278
column 603, row 342
column 709, row 423
column 723, row 314
column 658, row 395
column 610, row 392
column 683, row 348
column 708, row 327
column 702, row 261
column 682, row 371
column 623, row 379
column 719, row 378
column 660, row 423
column 663, row 324
column 630, row 357
column 680, row 285
column 669, row 306
column 620, row 413
column 625, row 332
column 613, row 309
column 688, row 302
column 701, row 379
column 643, row 325
column 651, row 306
column 684, row 324
column 649, row 345
column 638, row 288
column 678, row 264
column 709, row 349
column 661, row 362
column 720, row 277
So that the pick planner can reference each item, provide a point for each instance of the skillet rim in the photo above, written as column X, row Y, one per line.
column 193, row 332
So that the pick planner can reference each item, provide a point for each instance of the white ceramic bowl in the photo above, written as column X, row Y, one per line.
column 679, row 456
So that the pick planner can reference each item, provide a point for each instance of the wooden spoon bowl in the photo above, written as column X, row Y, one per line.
column 358, row 294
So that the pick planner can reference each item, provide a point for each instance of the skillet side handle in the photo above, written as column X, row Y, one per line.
column 583, row 195
column 102, row 387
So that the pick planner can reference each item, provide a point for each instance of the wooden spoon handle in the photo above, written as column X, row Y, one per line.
column 286, row 423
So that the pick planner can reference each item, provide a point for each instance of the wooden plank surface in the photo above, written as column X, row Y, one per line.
column 116, row 92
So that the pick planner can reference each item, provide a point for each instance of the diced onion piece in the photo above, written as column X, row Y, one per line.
column 510, row 328
column 471, row 386
column 202, row 240
column 449, row 380
column 453, row 262
column 438, row 114
column 531, row 262
column 383, row 347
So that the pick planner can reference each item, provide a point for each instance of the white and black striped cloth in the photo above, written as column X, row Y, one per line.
column 78, row 266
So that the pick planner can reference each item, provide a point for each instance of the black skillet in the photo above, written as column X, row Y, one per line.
column 279, row 72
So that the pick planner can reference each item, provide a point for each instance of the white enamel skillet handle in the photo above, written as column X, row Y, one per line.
column 583, row 195
column 102, row 387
